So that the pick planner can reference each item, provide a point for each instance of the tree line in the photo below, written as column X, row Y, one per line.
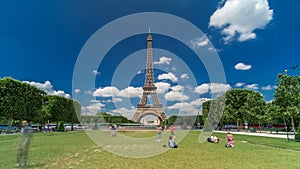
column 22, row 101
column 239, row 106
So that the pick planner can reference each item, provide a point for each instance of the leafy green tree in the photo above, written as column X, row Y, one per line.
column 287, row 97
column 255, row 108
column 19, row 100
column 58, row 108
column 241, row 104
column 74, row 112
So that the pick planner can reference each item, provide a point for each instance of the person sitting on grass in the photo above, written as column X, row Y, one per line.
column 229, row 138
column 172, row 143
column 213, row 139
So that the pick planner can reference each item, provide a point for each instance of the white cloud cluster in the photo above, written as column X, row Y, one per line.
column 177, row 88
column 48, row 88
column 163, row 60
column 184, row 106
column 199, row 42
column 96, row 72
column 241, row 17
column 124, row 112
column 213, row 88
column 269, row 87
column 239, row 84
column 111, row 91
column 162, row 87
column 190, row 108
column 242, row 66
column 92, row 108
column 184, row 76
column 176, row 96
column 168, row 76
column 198, row 102
column 251, row 86
column 77, row 91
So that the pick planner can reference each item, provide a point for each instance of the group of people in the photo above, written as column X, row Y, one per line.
column 229, row 139
column 171, row 142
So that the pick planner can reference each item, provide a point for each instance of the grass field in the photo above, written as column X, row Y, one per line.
column 77, row 150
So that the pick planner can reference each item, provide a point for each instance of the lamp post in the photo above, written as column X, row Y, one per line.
column 297, row 87
column 198, row 116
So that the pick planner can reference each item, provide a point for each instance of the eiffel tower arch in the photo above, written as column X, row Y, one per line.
column 149, row 90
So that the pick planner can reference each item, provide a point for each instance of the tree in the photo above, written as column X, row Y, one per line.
column 212, row 112
column 74, row 112
column 287, row 97
column 236, row 105
column 235, row 101
column 255, row 108
column 58, row 108
column 19, row 100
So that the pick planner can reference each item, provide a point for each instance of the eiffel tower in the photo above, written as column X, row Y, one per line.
column 149, row 89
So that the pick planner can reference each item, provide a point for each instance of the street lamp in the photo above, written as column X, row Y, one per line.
column 198, row 116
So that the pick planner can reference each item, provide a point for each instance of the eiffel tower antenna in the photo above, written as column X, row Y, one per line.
column 149, row 89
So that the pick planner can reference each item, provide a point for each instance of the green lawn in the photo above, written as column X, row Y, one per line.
column 76, row 150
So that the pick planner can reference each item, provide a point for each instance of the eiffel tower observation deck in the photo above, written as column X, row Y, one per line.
column 149, row 91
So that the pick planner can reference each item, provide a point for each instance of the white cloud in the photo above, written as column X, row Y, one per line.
column 242, row 66
column 77, row 90
column 162, row 87
column 116, row 99
column 204, row 88
column 163, row 60
column 219, row 88
column 139, row 72
column 88, row 92
column 183, row 107
column 198, row 102
column 124, row 112
column 212, row 88
column 184, row 76
column 241, row 17
column 239, row 84
column 269, row 87
column 93, row 108
column 108, row 91
column 177, row 88
column 131, row 92
column 176, row 96
column 169, row 76
column 48, row 88
column 199, row 42
column 252, row 86
column 96, row 72
column 94, row 101
column 111, row 91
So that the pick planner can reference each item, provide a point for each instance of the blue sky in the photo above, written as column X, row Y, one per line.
column 253, row 39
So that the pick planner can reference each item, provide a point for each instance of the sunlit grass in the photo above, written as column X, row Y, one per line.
column 76, row 150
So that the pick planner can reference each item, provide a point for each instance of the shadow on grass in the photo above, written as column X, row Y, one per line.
column 36, row 165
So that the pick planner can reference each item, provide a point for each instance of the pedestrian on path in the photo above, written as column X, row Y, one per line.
column 22, row 154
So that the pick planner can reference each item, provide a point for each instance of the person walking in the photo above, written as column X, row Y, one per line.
column 172, row 128
column 22, row 154
column 159, row 131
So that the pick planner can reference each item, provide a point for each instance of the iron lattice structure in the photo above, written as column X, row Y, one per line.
column 149, row 90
